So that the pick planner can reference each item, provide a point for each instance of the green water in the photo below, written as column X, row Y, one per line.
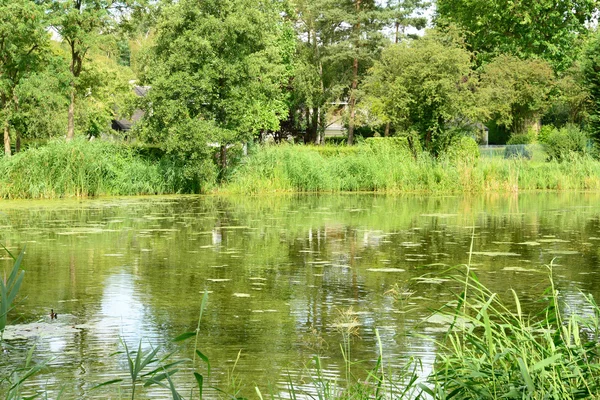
column 281, row 273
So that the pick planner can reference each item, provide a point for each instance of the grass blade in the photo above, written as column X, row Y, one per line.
column 184, row 336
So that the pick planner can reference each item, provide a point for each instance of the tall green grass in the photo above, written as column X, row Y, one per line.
column 81, row 168
column 493, row 350
column 393, row 169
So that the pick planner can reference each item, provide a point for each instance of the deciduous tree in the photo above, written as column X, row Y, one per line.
column 23, row 41
column 426, row 85
column 548, row 29
column 517, row 92
column 217, row 72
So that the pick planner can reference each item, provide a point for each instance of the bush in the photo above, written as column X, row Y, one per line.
column 567, row 142
column 463, row 148
column 521, row 138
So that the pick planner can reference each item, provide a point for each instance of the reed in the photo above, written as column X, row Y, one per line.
column 82, row 168
column 9, row 288
column 494, row 350
column 393, row 169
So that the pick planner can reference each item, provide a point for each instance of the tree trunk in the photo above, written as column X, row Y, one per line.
column 7, row 151
column 71, row 122
column 352, row 102
column 314, row 137
column 386, row 132
column 308, row 126
column 223, row 157
column 17, row 143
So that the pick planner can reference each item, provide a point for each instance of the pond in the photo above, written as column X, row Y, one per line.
column 286, row 275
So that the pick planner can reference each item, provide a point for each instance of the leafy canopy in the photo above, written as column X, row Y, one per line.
column 548, row 29
column 516, row 91
column 217, row 71
column 424, row 84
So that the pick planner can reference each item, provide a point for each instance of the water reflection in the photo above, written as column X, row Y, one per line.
column 280, row 271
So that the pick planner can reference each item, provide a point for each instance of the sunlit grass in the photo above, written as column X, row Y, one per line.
column 81, row 168
column 392, row 170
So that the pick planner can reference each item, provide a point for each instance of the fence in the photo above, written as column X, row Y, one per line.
column 523, row 151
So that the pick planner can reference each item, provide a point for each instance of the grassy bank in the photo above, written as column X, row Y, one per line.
column 370, row 167
column 82, row 168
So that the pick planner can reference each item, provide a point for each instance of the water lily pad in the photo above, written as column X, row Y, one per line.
column 217, row 280
column 520, row 269
column 530, row 243
column 241, row 295
column 553, row 240
column 563, row 252
column 385, row 270
column 494, row 253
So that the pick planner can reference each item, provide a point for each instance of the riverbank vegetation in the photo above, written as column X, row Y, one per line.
column 133, row 73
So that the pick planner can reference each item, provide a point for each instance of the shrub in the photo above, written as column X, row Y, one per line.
column 567, row 142
column 84, row 168
column 463, row 148
column 521, row 138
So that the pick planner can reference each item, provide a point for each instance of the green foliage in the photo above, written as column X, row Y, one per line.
column 83, row 168
column 542, row 28
column 516, row 92
column 566, row 143
column 217, row 72
column 591, row 73
column 493, row 350
column 571, row 100
column 337, row 44
column 23, row 40
column 463, row 149
column 423, row 85
column 521, row 138
column 279, row 169
column 9, row 288
column 16, row 379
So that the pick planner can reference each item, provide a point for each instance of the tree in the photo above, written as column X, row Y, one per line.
column 43, row 99
column 338, row 42
column 591, row 73
column 79, row 23
column 23, row 42
column 217, row 72
column 425, row 84
column 517, row 92
column 548, row 29
column 406, row 13
column 83, row 25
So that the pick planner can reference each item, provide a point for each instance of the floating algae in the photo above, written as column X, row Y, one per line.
column 385, row 270
column 494, row 254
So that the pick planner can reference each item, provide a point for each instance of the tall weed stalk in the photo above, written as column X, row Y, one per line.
column 499, row 352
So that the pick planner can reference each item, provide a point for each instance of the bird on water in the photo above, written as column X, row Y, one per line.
column 53, row 315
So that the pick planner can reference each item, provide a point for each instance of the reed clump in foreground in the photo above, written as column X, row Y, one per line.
column 495, row 351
